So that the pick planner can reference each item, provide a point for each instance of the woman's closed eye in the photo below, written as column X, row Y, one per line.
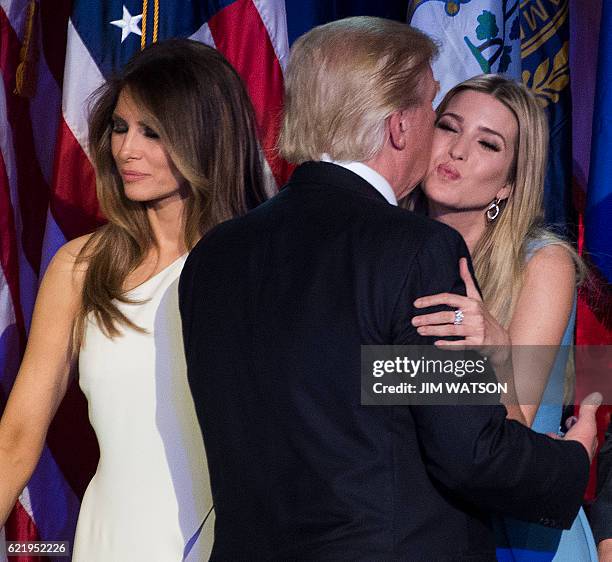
column 446, row 126
column 150, row 133
column 488, row 145
column 118, row 126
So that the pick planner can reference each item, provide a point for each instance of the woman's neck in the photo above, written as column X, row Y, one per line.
column 166, row 220
column 470, row 224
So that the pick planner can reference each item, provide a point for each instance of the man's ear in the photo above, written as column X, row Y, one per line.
column 398, row 129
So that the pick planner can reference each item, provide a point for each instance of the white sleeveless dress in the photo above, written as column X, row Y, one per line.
column 150, row 499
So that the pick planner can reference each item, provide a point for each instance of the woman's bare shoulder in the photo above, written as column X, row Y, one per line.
column 545, row 300
column 65, row 266
column 552, row 260
column 71, row 249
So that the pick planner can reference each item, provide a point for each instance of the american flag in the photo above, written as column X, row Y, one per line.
column 28, row 125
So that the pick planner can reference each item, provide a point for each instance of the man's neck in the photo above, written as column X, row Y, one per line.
column 369, row 174
column 380, row 164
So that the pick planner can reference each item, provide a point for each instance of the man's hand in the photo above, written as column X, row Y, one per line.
column 585, row 429
column 604, row 550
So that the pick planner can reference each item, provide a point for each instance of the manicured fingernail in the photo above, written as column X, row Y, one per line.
column 421, row 330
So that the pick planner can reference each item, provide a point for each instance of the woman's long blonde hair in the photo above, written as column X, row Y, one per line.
column 198, row 105
column 500, row 255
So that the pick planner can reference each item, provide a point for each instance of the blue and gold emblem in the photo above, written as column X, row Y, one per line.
column 545, row 48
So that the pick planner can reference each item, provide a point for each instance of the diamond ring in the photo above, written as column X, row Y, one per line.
column 458, row 317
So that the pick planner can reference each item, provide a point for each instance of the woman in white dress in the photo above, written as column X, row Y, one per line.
column 173, row 143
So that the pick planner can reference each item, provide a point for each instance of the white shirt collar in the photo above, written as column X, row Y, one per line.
column 370, row 175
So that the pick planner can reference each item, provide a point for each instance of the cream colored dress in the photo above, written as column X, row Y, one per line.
column 150, row 498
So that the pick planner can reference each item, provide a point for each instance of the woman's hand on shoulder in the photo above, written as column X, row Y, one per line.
column 477, row 327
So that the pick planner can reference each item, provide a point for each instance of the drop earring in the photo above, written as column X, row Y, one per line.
column 493, row 210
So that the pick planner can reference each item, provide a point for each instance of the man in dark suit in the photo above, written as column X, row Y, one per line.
column 276, row 305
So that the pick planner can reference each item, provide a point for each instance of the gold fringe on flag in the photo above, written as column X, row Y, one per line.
column 25, row 76
column 155, row 20
column 143, row 25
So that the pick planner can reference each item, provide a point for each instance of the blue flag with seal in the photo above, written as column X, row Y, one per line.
column 545, row 70
column 475, row 37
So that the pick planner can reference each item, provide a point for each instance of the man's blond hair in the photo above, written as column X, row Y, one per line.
column 343, row 80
